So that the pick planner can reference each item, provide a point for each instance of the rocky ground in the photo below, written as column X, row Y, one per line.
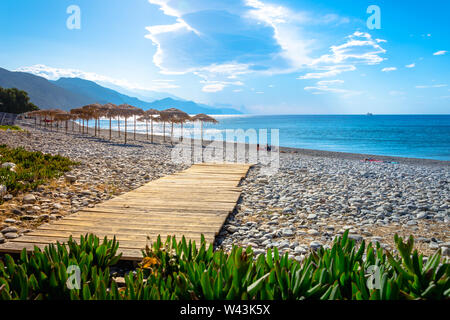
column 313, row 197
column 106, row 169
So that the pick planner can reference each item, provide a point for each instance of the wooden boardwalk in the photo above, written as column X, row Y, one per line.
column 190, row 203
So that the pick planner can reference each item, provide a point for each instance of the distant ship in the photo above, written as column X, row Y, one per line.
column 369, row 114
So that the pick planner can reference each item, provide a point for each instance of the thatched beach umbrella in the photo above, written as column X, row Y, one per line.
column 127, row 111
column 110, row 112
column 154, row 115
column 203, row 118
column 91, row 112
column 63, row 117
column 35, row 114
column 174, row 116
column 78, row 115
column 137, row 112
column 51, row 113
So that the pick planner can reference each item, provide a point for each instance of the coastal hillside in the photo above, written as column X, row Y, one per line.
column 42, row 92
column 69, row 93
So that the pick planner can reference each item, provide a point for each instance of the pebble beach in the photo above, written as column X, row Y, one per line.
column 313, row 197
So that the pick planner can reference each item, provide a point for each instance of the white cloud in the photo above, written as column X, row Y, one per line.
column 328, row 82
column 275, row 33
column 380, row 40
column 216, row 87
column 412, row 65
column 431, row 86
column 389, row 69
column 439, row 53
column 328, row 71
column 51, row 73
column 330, row 86
column 359, row 48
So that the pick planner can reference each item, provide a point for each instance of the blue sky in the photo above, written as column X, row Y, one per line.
column 274, row 56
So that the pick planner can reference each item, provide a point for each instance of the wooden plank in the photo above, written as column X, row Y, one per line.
column 190, row 203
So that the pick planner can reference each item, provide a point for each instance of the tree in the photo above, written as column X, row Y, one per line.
column 15, row 101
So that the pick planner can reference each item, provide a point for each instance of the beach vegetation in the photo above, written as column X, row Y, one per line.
column 29, row 169
column 174, row 269
column 15, row 101
column 9, row 127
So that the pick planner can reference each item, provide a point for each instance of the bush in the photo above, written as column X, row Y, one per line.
column 15, row 101
column 181, row 270
column 13, row 128
column 32, row 168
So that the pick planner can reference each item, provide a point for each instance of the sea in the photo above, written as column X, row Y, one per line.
column 413, row 136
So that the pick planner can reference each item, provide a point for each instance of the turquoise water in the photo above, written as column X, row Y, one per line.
column 415, row 136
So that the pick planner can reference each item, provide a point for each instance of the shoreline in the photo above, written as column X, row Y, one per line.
column 158, row 138
column 311, row 198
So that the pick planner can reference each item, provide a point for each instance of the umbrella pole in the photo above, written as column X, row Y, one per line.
column 152, row 128
column 171, row 135
column 182, row 132
column 134, row 128
column 201, row 146
column 125, row 130
column 146, row 126
column 118, row 124
column 164, row 131
column 110, row 128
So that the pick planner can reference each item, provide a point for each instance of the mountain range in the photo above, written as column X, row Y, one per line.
column 69, row 93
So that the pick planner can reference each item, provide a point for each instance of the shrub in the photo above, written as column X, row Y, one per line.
column 181, row 270
column 43, row 274
column 32, row 168
column 14, row 128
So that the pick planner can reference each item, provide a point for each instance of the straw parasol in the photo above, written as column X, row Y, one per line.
column 137, row 112
column 203, row 118
column 51, row 113
column 154, row 115
column 63, row 116
column 174, row 115
column 34, row 114
column 91, row 112
column 78, row 114
column 127, row 111
column 110, row 111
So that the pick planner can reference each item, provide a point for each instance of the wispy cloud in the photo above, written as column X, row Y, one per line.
column 389, row 69
column 328, row 71
column 412, row 65
column 216, row 86
column 331, row 86
column 439, row 53
column 359, row 48
column 51, row 73
column 431, row 86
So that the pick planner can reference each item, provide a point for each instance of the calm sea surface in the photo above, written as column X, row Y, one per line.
column 416, row 136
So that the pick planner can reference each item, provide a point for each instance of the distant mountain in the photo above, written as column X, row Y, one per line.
column 42, row 92
column 191, row 107
column 144, row 95
column 98, row 93
column 69, row 93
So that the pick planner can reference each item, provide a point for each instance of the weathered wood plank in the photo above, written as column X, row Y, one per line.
column 190, row 203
